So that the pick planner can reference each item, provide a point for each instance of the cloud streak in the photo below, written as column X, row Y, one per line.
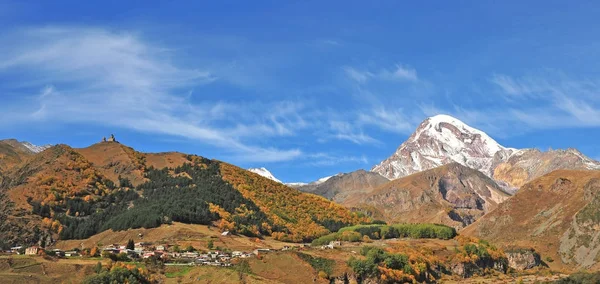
column 545, row 101
column 117, row 79
column 400, row 73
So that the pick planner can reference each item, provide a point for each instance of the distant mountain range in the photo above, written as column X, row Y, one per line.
column 442, row 140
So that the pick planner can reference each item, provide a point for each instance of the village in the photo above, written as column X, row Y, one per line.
column 165, row 253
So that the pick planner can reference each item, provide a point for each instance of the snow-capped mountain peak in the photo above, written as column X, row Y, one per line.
column 265, row 173
column 324, row 179
column 440, row 140
column 35, row 148
column 437, row 126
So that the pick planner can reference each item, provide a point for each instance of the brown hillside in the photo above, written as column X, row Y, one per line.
column 453, row 195
column 114, row 159
column 557, row 214
column 48, row 178
column 66, row 192
column 12, row 153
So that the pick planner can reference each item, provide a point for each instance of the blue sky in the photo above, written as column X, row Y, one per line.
column 304, row 88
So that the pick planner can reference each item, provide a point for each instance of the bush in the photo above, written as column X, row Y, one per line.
column 396, row 268
column 370, row 232
column 363, row 268
column 119, row 274
column 318, row 263
column 549, row 259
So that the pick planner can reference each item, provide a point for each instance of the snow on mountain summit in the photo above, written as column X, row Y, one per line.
column 441, row 140
column 435, row 128
column 265, row 173
column 35, row 148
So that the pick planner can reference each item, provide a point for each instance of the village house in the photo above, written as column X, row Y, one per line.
column 142, row 246
column 160, row 248
column 332, row 245
column 71, row 253
column 148, row 254
column 16, row 249
column 58, row 252
column 32, row 250
column 111, row 249
column 261, row 250
column 189, row 254
column 130, row 253
column 246, row 255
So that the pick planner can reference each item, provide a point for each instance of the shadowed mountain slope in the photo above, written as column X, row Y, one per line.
column 558, row 214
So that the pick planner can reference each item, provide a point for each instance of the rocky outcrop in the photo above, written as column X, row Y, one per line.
column 580, row 244
column 523, row 259
column 522, row 166
column 468, row 269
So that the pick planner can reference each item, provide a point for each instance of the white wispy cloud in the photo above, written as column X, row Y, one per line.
column 401, row 72
column 358, row 75
column 92, row 75
column 550, row 100
column 398, row 73
column 343, row 130
column 391, row 120
column 326, row 159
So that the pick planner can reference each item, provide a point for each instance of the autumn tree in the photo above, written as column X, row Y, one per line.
column 94, row 252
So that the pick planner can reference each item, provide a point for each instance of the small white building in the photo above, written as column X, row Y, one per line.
column 16, row 249
column 71, row 253
column 261, row 250
column 32, row 250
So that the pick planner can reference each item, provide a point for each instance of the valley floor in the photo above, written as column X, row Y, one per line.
column 272, row 267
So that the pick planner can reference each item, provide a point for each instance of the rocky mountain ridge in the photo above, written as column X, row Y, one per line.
column 442, row 139
column 453, row 195
column 342, row 186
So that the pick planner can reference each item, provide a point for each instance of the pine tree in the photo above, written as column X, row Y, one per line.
column 130, row 244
